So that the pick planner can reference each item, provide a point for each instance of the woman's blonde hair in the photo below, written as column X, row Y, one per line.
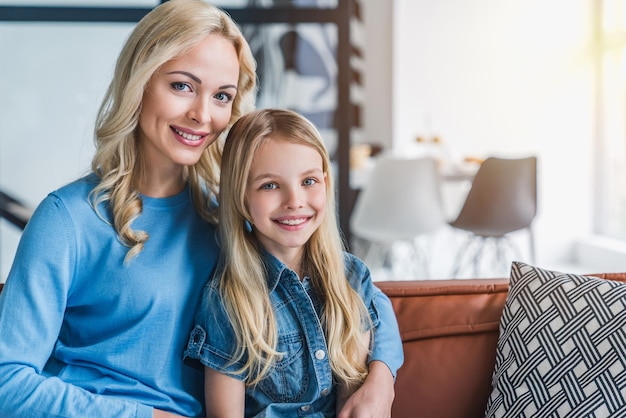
column 167, row 32
column 243, row 285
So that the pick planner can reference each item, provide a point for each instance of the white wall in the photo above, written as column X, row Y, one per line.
column 49, row 107
column 494, row 77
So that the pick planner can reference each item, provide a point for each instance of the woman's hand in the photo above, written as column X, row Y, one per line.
column 375, row 396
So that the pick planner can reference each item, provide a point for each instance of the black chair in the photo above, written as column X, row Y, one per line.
column 502, row 199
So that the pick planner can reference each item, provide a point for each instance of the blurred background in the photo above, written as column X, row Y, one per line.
column 455, row 80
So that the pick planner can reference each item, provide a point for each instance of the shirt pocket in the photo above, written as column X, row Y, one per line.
column 289, row 378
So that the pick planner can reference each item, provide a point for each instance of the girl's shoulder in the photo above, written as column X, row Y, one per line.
column 352, row 261
column 356, row 270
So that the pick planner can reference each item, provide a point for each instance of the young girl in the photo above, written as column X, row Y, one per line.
column 289, row 313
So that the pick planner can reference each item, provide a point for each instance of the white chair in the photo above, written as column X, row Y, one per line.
column 401, row 202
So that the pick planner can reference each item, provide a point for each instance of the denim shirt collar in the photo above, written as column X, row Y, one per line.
column 274, row 268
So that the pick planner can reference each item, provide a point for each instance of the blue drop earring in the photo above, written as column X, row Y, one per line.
column 247, row 225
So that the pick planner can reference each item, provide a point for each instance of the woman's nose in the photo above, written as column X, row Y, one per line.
column 200, row 112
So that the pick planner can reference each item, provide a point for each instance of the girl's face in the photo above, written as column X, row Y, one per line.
column 186, row 105
column 286, row 196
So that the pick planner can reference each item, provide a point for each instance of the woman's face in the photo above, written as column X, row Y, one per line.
column 186, row 105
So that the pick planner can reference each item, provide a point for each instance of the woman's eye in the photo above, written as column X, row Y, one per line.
column 268, row 186
column 180, row 86
column 309, row 182
column 224, row 97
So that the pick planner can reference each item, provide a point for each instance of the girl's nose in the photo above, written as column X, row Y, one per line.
column 293, row 197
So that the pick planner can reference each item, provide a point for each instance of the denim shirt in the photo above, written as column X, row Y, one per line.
column 301, row 382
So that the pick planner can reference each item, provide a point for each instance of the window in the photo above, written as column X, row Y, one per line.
column 611, row 206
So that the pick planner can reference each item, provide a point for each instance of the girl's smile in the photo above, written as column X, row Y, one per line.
column 292, row 221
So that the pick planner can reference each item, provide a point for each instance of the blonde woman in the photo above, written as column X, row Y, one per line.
column 96, row 310
column 286, row 324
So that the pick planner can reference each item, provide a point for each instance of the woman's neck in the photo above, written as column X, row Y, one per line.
column 164, row 187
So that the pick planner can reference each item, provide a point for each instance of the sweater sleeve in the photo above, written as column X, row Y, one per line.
column 32, row 306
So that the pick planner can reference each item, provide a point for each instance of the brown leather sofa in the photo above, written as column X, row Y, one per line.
column 449, row 332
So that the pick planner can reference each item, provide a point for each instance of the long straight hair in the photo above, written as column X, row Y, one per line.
column 167, row 32
column 243, row 285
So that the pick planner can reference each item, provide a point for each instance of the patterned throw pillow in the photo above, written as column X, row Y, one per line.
column 562, row 347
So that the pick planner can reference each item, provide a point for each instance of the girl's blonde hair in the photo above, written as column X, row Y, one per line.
column 167, row 32
column 243, row 285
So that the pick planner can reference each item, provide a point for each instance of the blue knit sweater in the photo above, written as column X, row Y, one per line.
column 84, row 335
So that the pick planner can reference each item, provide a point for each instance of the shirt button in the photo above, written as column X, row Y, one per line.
column 305, row 408
column 320, row 354
column 325, row 392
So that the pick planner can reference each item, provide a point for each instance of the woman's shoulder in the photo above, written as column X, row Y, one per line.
column 77, row 189
column 70, row 197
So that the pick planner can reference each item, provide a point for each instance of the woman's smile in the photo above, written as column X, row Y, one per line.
column 189, row 137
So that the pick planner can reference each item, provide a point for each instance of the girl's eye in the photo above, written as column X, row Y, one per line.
column 224, row 97
column 309, row 182
column 268, row 186
column 180, row 86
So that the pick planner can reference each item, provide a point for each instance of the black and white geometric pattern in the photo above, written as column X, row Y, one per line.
column 562, row 347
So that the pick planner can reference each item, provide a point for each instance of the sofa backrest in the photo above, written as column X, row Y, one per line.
column 449, row 331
